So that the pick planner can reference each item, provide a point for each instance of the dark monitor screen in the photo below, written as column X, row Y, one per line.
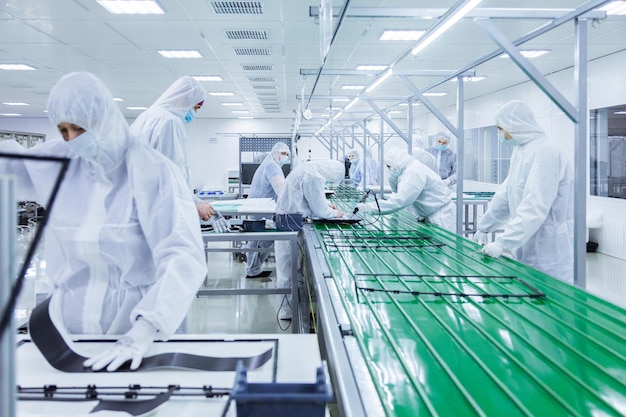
column 249, row 168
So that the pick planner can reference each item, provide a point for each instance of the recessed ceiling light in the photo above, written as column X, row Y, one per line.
column 620, row 112
column 415, row 103
column 222, row 93
column 232, row 104
column 401, row 35
column 16, row 67
column 131, row 6
column 10, row 114
column 15, row 103
column 341, row 99
column 118, row 99
column 240, row 111
column 136, row 108
column 529, row 53
column 180, row 53
column 352, row 87
column 394, row 111
column 207, row 78
column 245, row 117
column 435, row 94
column 371, row 67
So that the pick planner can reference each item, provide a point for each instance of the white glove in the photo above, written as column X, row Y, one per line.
column 447, row 181
column 219, row 223
column 493, row 249
column 132, row 346
column 481, row 237
column 363, row 208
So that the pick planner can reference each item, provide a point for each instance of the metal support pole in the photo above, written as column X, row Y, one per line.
column 409, row 123
column 460, row 155
column 580, row 156
column 8, row 254
column 364, row 163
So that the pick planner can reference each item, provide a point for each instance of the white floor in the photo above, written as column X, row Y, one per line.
column 606, row 277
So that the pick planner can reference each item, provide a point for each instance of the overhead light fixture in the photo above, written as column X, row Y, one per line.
column 221, row 93
column 529, row 53
column 352, row 87
column 325, row 115
column 401, row 35
column 180, row 53
column 378, row 81
column 16, row 67
column 336, row 116
column 615, row 8
column 371, row 67
column 352, row 103
column 15, row 103
column 118, row 99
column 620, row 112
column 443, row 27
column 245, row 117
column 435, row 94
column 203, row 78
column 394, row 111
column 240, row 111
column 136, row 108
column 131, row 6
column 10, row 114
column 232, row 104
column 415, row 103
column 341, row 99
column 469, row 78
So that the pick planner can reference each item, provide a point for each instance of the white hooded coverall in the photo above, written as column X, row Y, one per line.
column 534, row 204
column 122, row 240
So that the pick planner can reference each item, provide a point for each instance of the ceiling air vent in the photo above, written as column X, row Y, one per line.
column 247, row 35
column 272, row 110
column 264, row 87
column 237, row 7
column 258, row 67
column 252, row 51
column 266, row 93
column 262, row 79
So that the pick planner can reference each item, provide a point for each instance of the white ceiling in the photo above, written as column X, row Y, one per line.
column 60, row 36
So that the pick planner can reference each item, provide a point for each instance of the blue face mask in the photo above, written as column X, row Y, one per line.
column 284, row 160
column 84, row 145
column 504, row 140
column 441, row 147
column 190, row 116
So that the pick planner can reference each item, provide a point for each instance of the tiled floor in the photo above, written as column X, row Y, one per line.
column 606, row 277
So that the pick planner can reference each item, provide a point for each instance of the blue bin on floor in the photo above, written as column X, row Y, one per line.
column 281, row 399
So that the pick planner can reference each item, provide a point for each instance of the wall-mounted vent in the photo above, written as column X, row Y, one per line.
column 237, row 7
column 252, row 51
column 262, row 79
column 272, row 110
column 247, row 35
column 264, row 87
column 258, row 67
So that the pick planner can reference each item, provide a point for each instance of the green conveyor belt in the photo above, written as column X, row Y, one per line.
column 507, row 354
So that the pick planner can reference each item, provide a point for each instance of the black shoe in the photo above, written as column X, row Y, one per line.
column 262, row 274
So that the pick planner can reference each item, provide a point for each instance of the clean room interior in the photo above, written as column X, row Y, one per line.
column 292, row 70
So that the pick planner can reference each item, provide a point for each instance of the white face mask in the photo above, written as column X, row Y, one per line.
column 283, row 160
column 503, row 139
column 84, row 145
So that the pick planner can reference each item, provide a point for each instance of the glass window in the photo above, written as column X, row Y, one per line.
column 486, row 159
column 607, row 152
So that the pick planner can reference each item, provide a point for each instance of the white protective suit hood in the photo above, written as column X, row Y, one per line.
column 332, row 171
column 277, row 149
column 518, row 120
column 182, row 95
column 397, row 159
column 95, row 111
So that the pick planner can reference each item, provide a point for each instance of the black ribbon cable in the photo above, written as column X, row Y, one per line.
column 58, row 354
column 135, row 408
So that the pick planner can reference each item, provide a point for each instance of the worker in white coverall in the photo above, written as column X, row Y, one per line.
column 362, row 170
column 268, row 182
column 417, row 186
column 445, row 158
column 304, row 194
column 123, row 245
column 162, row 126
column 534, row 204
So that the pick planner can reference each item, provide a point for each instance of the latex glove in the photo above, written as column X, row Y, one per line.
column 481, row 237
column 493, row 249
column 219, row 223
column 447, row 181
column 363, row 208
column 132, row 346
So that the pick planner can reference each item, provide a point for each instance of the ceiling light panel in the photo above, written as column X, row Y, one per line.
column 401, row 35
column 131, row 6
column 371, row 67
column 247, row 35
column 207, row 78
column 16, row 67
column 615, row 8
column 237, row 7
column 180, row 54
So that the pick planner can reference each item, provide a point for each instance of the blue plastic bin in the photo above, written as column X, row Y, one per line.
column 281, row 399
